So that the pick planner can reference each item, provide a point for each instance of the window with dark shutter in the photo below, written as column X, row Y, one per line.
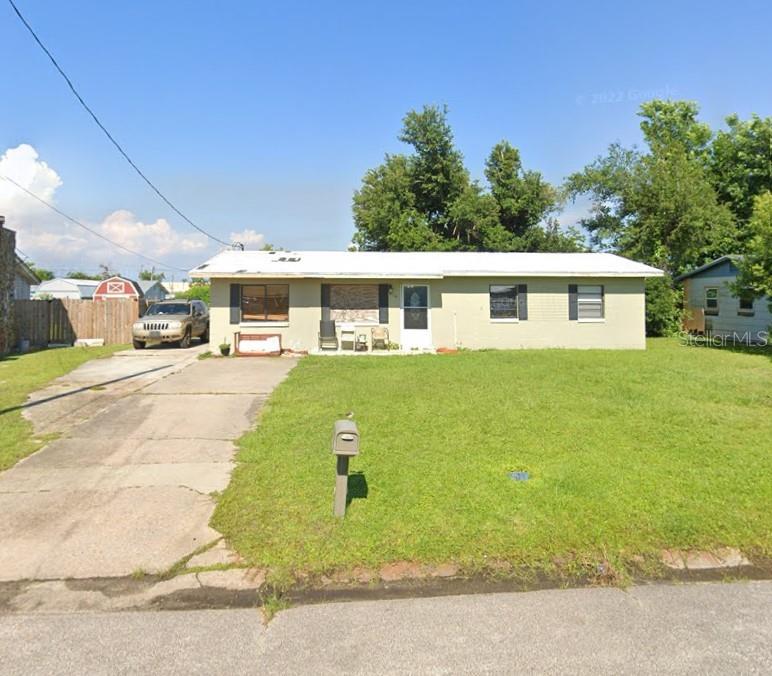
column 503, row 301
column 235, row 303
column 265, row 302
column 589, row 299
column 573, row 311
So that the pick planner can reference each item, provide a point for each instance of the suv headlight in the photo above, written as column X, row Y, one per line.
column 139, row 325
column 175, row 325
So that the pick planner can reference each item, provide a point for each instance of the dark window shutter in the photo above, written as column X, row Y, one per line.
column 235, row 303
column 602, row 301
column 383, row 303
column 573, row 305
column 325, row 302
column 522, row 302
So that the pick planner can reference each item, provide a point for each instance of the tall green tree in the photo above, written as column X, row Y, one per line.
column 658, row 205
column 77, row 274
column 756, row 264
column 740, row 162
column 151, row 275
column 41, row 273
column 426, row 201
column 523, row 197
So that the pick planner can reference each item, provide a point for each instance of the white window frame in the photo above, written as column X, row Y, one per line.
column 504, row 320
column 711, row 312
column 590, row 302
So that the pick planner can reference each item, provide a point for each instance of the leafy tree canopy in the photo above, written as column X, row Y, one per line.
column 76, row 274
column 426, row 201
column 151, row 275
column 199, row 290
column 41, row 273
column 756, row 265
column 659, row 205
column 740, row 162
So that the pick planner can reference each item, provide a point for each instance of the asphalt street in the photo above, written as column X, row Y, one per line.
column 705, row 628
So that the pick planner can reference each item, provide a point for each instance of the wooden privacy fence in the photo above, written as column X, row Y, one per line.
column 65, row 320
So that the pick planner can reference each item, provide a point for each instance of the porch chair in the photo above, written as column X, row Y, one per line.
column 328, row 338
column 347, row 336
column 379, row 338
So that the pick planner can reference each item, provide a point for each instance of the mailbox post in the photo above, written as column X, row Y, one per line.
column 345, row 444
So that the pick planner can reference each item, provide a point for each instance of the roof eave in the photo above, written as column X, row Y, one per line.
column 203, row 274
column 732, row 258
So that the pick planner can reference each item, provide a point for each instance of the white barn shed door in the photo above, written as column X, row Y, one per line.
column 416, row 322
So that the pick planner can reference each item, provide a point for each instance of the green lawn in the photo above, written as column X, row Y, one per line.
column 22, row 374
column 628, row 452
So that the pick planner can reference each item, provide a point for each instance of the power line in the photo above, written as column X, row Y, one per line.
column 108, row 134
column 91, row 230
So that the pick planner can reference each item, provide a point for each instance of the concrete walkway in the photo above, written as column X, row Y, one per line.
column 708, row 628
column 146, row 437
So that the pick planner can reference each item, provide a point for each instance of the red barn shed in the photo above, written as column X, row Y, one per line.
column 117, row 287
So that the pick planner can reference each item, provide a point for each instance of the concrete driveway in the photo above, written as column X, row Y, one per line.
column 145, row 438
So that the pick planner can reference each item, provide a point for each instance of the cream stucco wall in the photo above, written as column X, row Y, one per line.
column 460, row 314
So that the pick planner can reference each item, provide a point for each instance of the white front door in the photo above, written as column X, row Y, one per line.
column 416, row 320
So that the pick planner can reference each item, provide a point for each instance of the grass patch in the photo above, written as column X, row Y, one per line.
column 21, row 375
column 628, row 452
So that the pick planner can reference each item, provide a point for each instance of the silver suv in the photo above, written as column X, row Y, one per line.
column 172, row 321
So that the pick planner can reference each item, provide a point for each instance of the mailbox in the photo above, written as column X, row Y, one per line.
column 345, row 438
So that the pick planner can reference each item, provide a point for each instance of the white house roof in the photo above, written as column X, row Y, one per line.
column 424, row 265
column 84, row 287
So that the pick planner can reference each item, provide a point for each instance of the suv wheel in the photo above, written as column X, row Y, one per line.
column 205, row 335
column 138, row 344
column 185, row 342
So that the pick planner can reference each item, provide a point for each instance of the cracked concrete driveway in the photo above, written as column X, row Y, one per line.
column 146, row 437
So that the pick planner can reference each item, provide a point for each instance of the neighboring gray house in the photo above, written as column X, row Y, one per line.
column 7, row 267
column 153, row 290
column 23, row 280
column 708, row 292
column 65, row 287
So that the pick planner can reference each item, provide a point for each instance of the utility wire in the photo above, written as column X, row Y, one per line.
column 110, row 136
column 91, row 230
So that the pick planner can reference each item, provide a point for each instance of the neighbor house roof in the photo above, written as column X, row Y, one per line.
column 23, row 270
column 426, row 265
column 712, row 264
column 146, row 284
column 85, row 287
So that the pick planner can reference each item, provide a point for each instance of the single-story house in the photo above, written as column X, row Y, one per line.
column 153, row 290
column 24, row 279
column 430, row 300
column 715, row 309
column 66, row 287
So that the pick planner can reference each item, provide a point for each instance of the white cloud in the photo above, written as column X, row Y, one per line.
column 249, row 238
column 51, row 240
column 22, row 165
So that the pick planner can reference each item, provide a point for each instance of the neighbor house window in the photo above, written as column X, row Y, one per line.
column 589, row 302
column 711, row 301
column 265, row 303
column 503, row 301
column 746, row 304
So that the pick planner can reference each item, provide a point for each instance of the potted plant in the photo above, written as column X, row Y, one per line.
column 225, row 348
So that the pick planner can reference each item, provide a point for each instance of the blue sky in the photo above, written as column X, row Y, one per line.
column 265, row 116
